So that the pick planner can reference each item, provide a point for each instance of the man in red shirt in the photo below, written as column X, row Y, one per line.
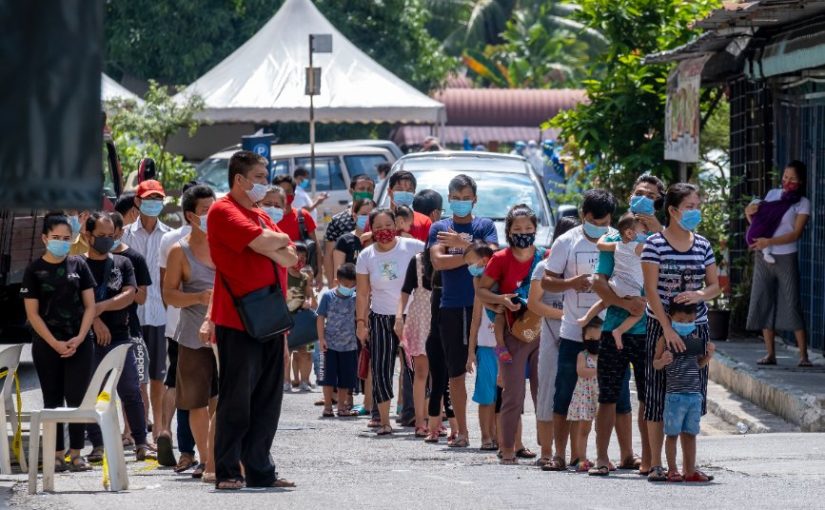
column 249, row 252
column 290, row 226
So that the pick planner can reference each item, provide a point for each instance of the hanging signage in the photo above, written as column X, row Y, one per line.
column 682, row 116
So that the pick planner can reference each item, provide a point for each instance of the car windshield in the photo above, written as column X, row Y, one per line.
column 213, row 172
column 497, row 191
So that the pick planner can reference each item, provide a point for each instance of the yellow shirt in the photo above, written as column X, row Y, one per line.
column 79, row 246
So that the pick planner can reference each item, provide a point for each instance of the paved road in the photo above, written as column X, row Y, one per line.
column 338, row 463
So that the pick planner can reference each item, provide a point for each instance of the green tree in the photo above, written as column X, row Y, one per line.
column 143, row 130
column 621, row 127
column 176, row 42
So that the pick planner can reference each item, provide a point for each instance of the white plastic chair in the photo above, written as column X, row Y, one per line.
column 9, row 360
column 102, row 412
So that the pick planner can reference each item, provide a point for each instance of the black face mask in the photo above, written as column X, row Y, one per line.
column 592, row 346
column 103, row 245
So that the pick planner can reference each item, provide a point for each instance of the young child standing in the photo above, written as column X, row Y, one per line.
column 336, row 334
column 300, row 295
column 482, row 351
column 585, row 397
column 627, row 279
column 683, row 400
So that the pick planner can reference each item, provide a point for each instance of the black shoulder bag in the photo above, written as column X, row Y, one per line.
column 263, row 312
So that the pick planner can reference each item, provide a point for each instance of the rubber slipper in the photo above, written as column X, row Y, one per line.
column 327, row 414
column 599, row 471
column 766, row 361
column 198, row 472
column 805, row 364
column 525, row 453
column 632, row 463
column 555, row 464
column 166, row 456
column 657, row 474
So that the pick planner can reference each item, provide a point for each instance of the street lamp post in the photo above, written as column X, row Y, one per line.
column 318, row 43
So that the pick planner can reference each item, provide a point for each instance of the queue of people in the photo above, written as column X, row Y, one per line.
column 441, row 296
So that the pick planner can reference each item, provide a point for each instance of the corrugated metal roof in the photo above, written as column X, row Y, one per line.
column 761, row 13
column 506, row 107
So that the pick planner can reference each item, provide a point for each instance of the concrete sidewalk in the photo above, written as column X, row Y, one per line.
column 794, row 394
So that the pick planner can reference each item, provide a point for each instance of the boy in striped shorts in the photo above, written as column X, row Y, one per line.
column 683, row 399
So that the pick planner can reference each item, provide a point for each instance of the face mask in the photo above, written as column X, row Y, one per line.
column 116, row 244
column 304, row 184
column 276, row 213
column 461, row 208
column 592, row 346
column 594, row 231
column 257, row 193
column 360, row 195
column 641, row 238
column 361, row 221
column 103, row 245
column 683, row 328
column 522, row 240
column 151, row 208
column 290, row 199
column 691, row 219
column 346, row 291
column 475, row 270
column 58, row 248
column 402, row 198
column 790, row 187
column 640, row 204
column 203, row 222
column 384, row 236
column 74, row 222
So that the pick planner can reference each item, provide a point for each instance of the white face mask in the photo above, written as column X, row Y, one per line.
column 257, row 193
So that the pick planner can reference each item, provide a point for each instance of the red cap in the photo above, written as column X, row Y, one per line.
column 150, row 187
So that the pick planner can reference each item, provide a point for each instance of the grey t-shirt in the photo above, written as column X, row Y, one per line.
column 554, row 299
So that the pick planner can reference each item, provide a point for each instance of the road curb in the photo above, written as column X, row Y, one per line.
column 797, row 407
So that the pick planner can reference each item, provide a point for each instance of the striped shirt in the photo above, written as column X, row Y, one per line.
column 152, row 313
column 683, row 372
column 679, row 271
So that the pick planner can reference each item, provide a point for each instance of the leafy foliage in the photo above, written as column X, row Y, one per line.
column 144, row 130
column 621, row 128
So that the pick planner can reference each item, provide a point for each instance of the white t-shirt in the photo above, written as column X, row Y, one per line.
column 486, row 332
column 166, row 243
column 627, row 269
column 387, row 270
column 303, row 201
column 788, row 220
column 572, row 254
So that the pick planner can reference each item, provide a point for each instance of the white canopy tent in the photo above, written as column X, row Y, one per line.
column 263, row 81
column 110, row 89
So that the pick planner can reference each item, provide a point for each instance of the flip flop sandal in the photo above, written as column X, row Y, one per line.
column 283, row 483
column 128, row 442
column 208, row 478
column 584, row 466
column 489, row 446
column 374, row 424
column 327, row 414
column 634, row 463
column 766, row 361
column 526, row 453
column 386, row 430
column 185, row 463
column 432, row 438
column 422, row 432
column 78, row 465
column 675, row 477
column 555, row 464
column 60, row 465
column 707, row 476
column 805, row 364
column 166, row 456
column 657, row 474
column 229, row 485
column 96, row 455
column 599, row 471
column 198, row 472
column 459, row 442
column 542, row 461
column 509, row 462
column 347, row 414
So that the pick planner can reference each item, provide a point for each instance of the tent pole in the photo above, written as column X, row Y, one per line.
column 312, row 122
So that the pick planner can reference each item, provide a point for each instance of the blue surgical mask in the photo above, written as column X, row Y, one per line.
column 403, row 198
column 276, row 213
column 361, row 221
column 151, row 208
column 116, row 244
column 257, row 193
column 203, row 222
column 691, row 218
column 461, row 208
column 594, row 231
column 641, row 238
column 475, row 270
column 304, row 184
column 58, row 248
column 683, row 328
column 640, row 204
column 346, row 291
column 74, row 222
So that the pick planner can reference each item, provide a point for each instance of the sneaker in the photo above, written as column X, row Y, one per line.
column 768, row 257
column 287, row 387
column 304, row 387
